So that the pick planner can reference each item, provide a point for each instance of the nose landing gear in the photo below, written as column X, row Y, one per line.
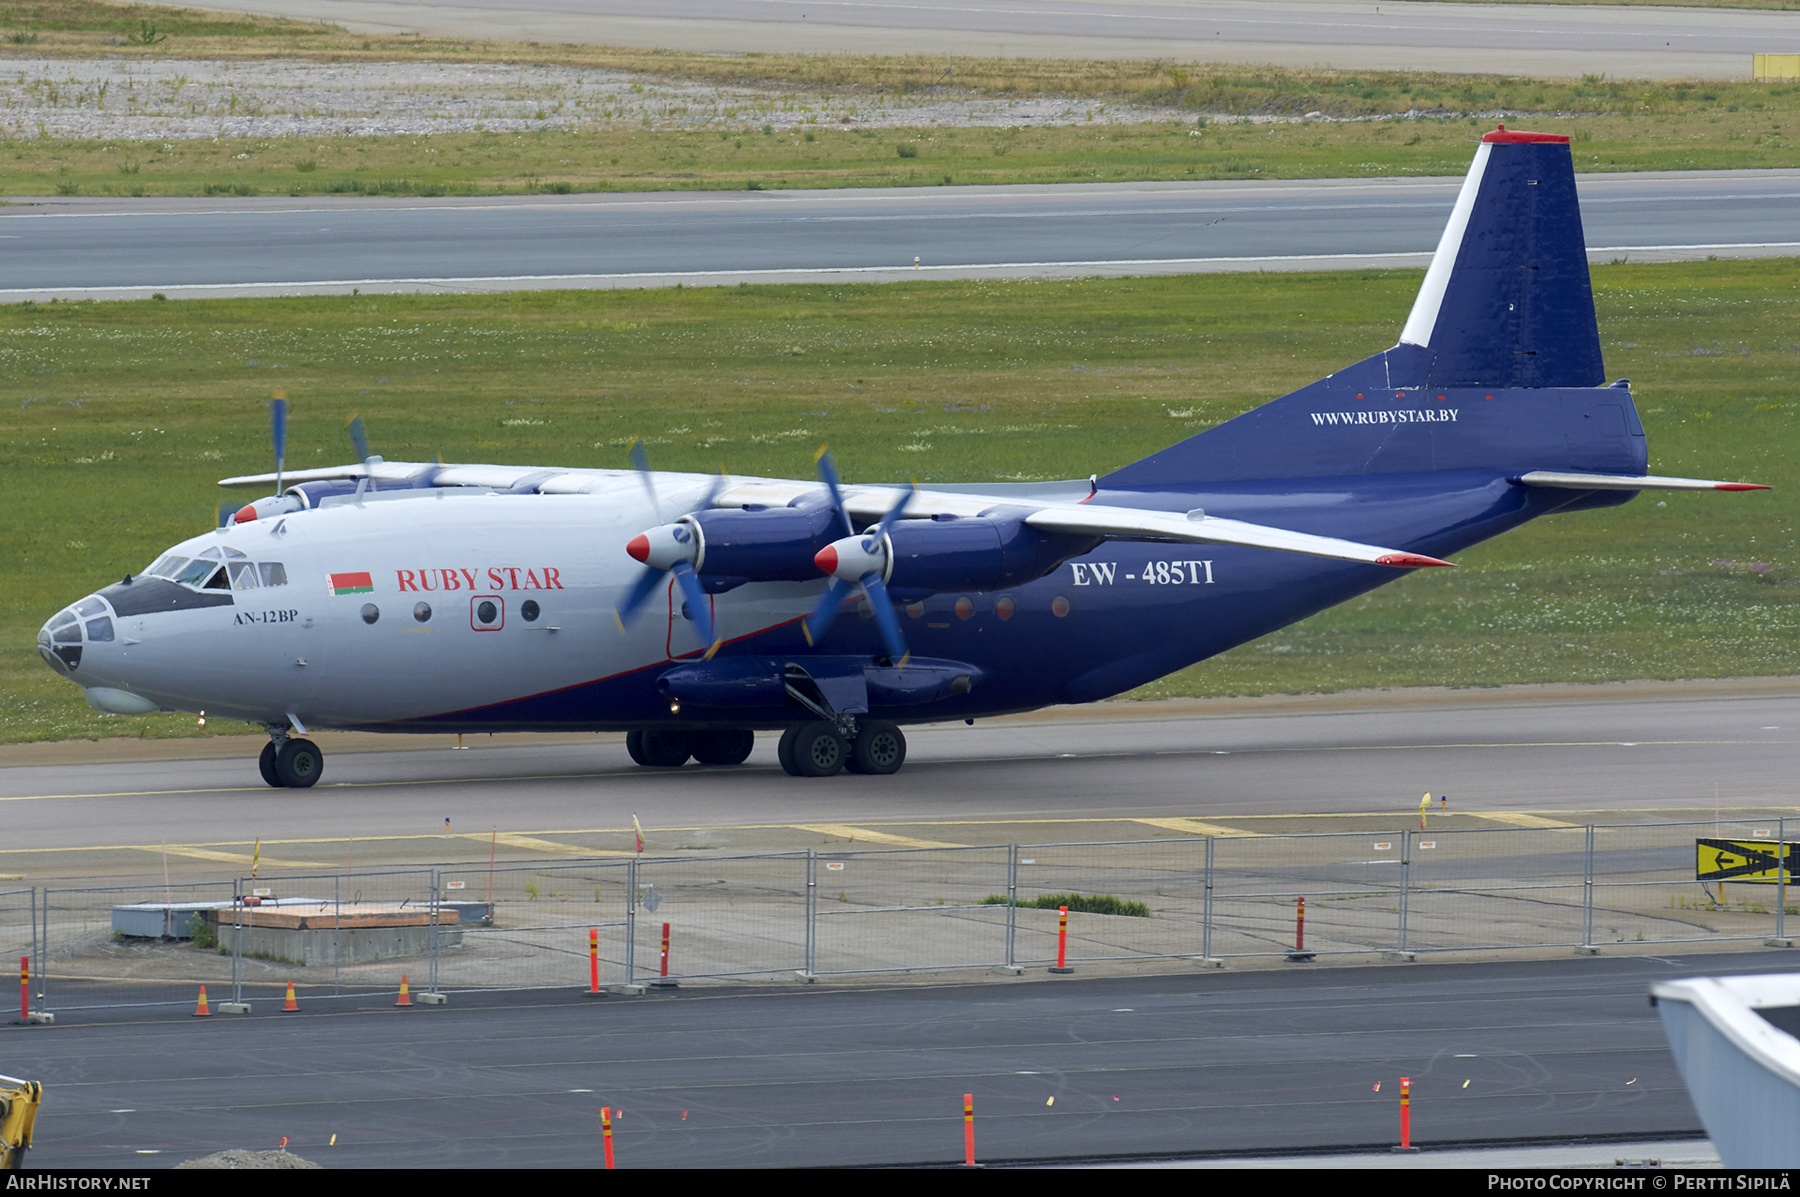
column 288, row 762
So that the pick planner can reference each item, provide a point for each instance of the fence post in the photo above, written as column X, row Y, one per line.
column 431, row 996
column 812, row 914
column 37, row 948
column 1207, row 959
column 1406, row 850
column 337, row 936
column 1012, row 910
column 631, row 922
column 1587, row 947
column 1781, row 879
column 239, row 912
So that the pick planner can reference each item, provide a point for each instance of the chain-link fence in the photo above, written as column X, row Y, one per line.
column 621, row 921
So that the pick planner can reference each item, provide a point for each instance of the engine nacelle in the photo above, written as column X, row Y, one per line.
column 981, row 553
column 751, row 544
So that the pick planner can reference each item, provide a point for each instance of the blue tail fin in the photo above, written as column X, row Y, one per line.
column 1497, row 366
column 1507, row 302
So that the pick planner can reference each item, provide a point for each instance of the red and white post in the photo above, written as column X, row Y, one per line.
column 1406, row 1115
column 24, row 989
column 662, row 978
column 1062, row 941
column 968, row 1130
column 1300, row 954
column 606, row 1133
column 593, row 960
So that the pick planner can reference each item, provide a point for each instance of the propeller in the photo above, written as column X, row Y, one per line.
column 859, row 561
column 669, row 548
column 278, row 428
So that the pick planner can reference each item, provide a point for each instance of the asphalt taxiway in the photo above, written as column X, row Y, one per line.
column 1520, row 39
column 74, row 247
column 1066, row 1068
column 1637, row 753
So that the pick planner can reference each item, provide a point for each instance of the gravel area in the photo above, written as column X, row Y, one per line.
column 148, row 99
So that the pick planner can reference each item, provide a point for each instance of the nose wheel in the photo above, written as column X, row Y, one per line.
column 295, row 764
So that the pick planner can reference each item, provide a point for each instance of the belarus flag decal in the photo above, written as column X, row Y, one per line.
column 342, row 584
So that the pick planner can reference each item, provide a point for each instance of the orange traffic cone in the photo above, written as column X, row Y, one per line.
column 291, row 1007
column 405, row 994
column 201, row 1010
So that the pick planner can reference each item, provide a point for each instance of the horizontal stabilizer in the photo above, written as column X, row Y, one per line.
column 1575, row 481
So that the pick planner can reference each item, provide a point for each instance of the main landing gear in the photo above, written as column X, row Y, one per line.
column 671, row 749
column 290, row 762
column 817, row 749
column 820, row 749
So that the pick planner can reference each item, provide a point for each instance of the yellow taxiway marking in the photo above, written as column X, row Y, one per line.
column 234, row 857
column 873, row 837
column 1521, row 819
column 533, row 844
column 1191, row 826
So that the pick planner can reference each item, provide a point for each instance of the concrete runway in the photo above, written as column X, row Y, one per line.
column 1222, row 1063
column 1073, row 774
column 92, row 247
column 1538, row 40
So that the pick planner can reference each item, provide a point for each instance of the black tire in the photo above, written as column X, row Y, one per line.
column 299, row 764
column 266, row 763
column 880, row 748
column 634, row 744
column 723, row 747
column 819, row 751
column 666, row 749
column 784, row 751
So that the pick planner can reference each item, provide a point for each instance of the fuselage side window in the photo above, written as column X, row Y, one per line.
column 243, row 575
column 274, row 573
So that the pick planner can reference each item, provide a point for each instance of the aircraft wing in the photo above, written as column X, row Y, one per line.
column 497, row 477
column 1087, row 519
column 871, row 503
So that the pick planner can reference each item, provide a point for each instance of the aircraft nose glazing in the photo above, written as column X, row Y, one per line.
column 62, row 640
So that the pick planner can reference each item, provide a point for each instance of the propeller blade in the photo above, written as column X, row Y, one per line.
column 828, row 472
column 278, row 428
column 816, row 624
column 638, row 595
column 641, row 460
column 699, row 609
column 885, row 618
column 893, row 513
column 359, row 438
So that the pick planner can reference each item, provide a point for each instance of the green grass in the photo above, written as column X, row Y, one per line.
column 1077, row 904
column 119, row 417
column 1617, row 124
column 607, row 159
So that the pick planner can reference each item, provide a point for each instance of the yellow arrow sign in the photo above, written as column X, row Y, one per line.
column 1736, row 860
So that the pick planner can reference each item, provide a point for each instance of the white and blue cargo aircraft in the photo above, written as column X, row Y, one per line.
column 692, row 611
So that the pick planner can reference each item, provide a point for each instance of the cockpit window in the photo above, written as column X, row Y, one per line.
column 195, row 572
column 274, row 573
column 217, row 581
column 100, row 629
column 167, row 567
column 232, row 554
column 243, row 575
column 210, row 554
